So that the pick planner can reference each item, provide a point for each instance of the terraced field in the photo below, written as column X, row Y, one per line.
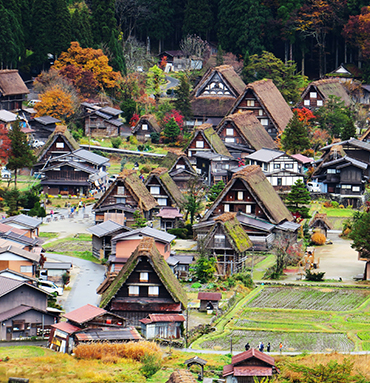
column 303, row 318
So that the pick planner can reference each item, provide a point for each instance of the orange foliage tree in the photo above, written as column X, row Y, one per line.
column 87, row 67
column 55, row 102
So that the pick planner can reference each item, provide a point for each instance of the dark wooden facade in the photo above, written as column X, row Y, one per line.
column 13, row 90
column 146, row 125
column 98, row 125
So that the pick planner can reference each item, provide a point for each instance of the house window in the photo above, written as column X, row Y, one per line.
column 264, row 121
column 60, row 145
column 147, row 135
column 154, row 190
column 331, row 171
column 288, row 166
column 240, row 196
column 167, row 248
column 279, row 181
column 346, row 187
column 248, row 209
column 250, row 102
column 133, row 291
column 26, row 269
column 180, row 166
column 355, row 188
column 120, row 200
column 199, row 144
column 144, row 127
column 319, row 103
column 226, row 208
column 162, row 201
column 153, row 291
column 276, row 166
column 120, row 190
column 306, row 102
column 313, row 95
column 144, row 277
column 260, row 112
column 229, row 131
column 229, row 139
column 265, row 167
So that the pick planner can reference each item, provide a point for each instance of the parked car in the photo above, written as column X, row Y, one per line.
column 313, row 187
column 50, row 287
column 37, row 144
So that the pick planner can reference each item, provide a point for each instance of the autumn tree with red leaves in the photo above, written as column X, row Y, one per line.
column 177, row 116
column 5, row 150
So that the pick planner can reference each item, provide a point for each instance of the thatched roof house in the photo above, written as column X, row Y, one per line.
column 250, row 192
column 146, row 125
column 216, row 92
column 12, row 90
column 127, row 194
column 267, row 103
column 318, row 92
column 161, row 186
column 122, row 295
column 243, row 131
column 320, row 221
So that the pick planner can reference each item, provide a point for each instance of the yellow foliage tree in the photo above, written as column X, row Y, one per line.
column 318, row 238
column 77, row 61
column 55, row 102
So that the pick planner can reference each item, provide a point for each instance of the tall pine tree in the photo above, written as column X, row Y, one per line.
column 61, row 27
column 182, row 102
column 295, row 137
column 118, row 60
column 81, row 30
column 103, row 20
column 198, row 18
column 298, row 198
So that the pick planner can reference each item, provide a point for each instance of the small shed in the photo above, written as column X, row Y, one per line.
column 209, row 301
column 197, row 361
column 53, row 271
column 169, row 217
column 166, row 326
column 146, row 125
column 320, row 221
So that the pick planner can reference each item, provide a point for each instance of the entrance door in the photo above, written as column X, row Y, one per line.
column 9, row 333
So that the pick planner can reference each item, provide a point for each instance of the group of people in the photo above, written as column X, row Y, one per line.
column 261, row 347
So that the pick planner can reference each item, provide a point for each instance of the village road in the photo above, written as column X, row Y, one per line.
column 90, row 275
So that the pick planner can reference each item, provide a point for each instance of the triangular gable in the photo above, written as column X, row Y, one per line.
column 71, row 164
column 148, row 249
column 150, row 120
column 187, row 165
column 263, row 193
column 216, row 86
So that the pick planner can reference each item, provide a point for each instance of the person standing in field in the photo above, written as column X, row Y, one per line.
column 268, row 348
column 280, row 347
column 247, row 347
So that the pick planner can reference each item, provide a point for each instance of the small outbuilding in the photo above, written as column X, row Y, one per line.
column 165, row 326
column 169, row 217
column 320, row 221
column 146, row 125
column 196, row 361
column 209, row 301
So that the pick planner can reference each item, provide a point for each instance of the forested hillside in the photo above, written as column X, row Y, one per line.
column 317, row 34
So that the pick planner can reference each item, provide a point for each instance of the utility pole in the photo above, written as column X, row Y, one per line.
column 187, row 327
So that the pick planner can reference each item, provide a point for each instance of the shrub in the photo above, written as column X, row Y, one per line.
column 133, row 140
column 335, row 204
column 141, row 147
column 327, row 204
column 116, row 142
column 146, row 169
column 318, row 238
column 341, row 206
column 151, row 364
column 347, row 232
column 349, row 207
column 315, row 277
column 154, row 136
column 196, row 285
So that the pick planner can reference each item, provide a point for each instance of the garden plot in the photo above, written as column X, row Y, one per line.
column 310, row 298
column 313, row 342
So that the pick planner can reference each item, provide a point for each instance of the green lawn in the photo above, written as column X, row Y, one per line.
column 304, row 318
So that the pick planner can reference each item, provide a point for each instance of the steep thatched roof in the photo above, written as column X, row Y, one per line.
column 329, row 87
column 168, row 184
column 181, row 376
column 136, row 187
column 251, row 129
column 147, row 249
column 60, row 130
column 151, row 119
column 234, row 232
column 262, row 191
column 213, row 139
column 211, row 106
column 11, row 83
column 322, row 218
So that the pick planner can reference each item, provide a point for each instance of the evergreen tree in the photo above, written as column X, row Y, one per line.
column 103, row 20
column 42, row 30
column 21, row 153
column 219, row 56
column 171, row 129
column 81, row 30
column 140, row 220
column 348, row 130
column 297, row 198
column 61, row 27
column 198, row 18
column 215, row 190
column 118, row 60
column 295, row 137
column 182, row 102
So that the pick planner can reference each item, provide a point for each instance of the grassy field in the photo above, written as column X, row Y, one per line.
column 78, row 246
column 40, row 365
column 316, row 319
column 335, row 215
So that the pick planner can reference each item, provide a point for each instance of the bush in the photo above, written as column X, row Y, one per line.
column 151, row 364
column 315, row 277
column 318, row 238
column 196, row 285
column 59, row 196
column 133, row 140
column 146, row 169
column 154, row 136
column 182, row 233
column 327, row 204
column 335, row 204
column 116, row 142
column 341, row 206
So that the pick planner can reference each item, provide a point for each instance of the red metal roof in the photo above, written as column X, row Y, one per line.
column 250, row 354
column 252, row 371
column 66, row 327
column 210, row 296
column 169, row 213
column 154, row 318
column 84, row 314
column 111, row 335
column 228, row 370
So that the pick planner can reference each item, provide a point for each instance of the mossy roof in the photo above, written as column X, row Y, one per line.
column 214, row 140
column 147, row 248
column 234, row 231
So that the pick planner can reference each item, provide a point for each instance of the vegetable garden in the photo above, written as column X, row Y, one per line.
column 303, row 318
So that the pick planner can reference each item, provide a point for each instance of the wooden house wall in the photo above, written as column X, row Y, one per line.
column 352, row 176
column 16, row 265
column 217, row 244
column 114, row 197
column 154, row 181
column 13, row 102
column 96, row 126
column 23, row 295
column 193, row 146
column 144, row 135
column 67, row 173
column 236, row 138
column 310, row 102
column 204, row 303
column 358, row 154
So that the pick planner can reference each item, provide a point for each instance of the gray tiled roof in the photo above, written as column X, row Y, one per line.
column 103, row 115
column 14, row 311
column 8, row 284
column 265, row 155
column 289, row 226
column 111, row 111
column 90, row 156
column 33, row 257
column 46, row 120
column 254, row 222
column 147, row 232
column 23, row 220
column 352, row 141
column 105, row 228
